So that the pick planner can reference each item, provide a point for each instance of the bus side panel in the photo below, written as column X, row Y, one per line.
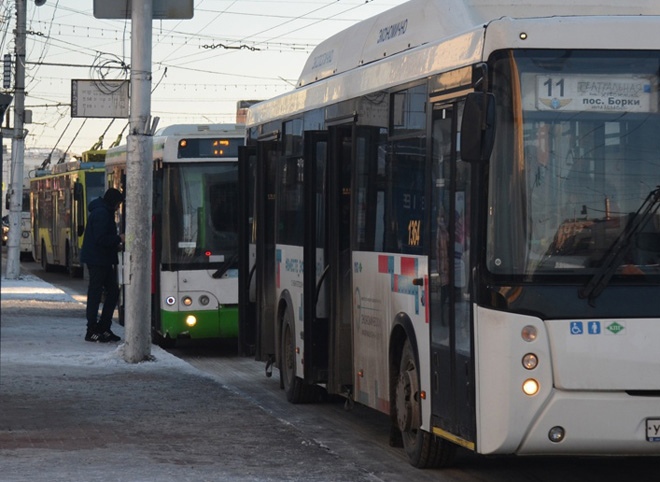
column 289, row 279
column 383, row 289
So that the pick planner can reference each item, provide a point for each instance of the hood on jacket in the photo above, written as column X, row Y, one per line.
column 96, row 204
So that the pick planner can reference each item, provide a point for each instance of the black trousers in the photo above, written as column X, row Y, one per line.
column 102, row 279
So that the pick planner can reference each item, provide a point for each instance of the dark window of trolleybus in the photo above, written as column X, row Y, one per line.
column 220, row 147
column 574, row 163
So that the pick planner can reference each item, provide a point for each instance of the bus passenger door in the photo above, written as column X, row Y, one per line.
column 316, row 285
column 247, row 307
column 268, row 152
column 338, row 257
column 449, row 269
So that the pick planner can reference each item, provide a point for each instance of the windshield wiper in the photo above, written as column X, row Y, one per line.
column 226, row 266
column 617, row 251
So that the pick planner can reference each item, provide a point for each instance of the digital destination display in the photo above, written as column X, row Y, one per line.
column 218, row 147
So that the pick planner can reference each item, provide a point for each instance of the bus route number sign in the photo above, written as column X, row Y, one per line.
column 590, row 93
column 653, row 429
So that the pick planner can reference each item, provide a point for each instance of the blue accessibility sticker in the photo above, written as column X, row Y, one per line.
column 577, row 328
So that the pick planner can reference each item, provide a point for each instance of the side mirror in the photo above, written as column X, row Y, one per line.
column 478, row 127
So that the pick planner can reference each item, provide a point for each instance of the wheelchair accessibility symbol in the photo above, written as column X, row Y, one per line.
column 577, row 328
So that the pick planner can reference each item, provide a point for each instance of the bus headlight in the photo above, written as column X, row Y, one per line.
column 170, row 300
column 191, row 320
column 204, row 300
column 530, row 387
column 530, row 361
column 187, row 301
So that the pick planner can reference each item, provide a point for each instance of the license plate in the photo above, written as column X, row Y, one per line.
column 653, row 429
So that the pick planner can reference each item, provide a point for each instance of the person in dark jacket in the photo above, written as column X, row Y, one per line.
column 99, row 252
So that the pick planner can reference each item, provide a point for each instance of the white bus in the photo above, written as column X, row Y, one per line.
column 25, row 245
column 195, row 222
column 453, row 219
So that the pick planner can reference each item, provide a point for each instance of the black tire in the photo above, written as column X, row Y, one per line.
column 424, row 449
column 165, row 342
column 26, row 256
column 297, row 391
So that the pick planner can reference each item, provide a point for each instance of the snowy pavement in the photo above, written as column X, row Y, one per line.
column 71, row 410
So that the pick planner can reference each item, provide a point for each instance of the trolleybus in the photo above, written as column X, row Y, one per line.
column 453, row 219
column 195, row 224
column 58, row 207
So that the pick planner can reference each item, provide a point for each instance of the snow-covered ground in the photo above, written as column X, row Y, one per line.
column 19, row 345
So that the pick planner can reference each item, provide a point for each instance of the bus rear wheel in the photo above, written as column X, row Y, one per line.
column 424, row 449
column 297, row 391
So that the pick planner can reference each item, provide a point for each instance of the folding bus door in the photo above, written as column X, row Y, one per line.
column 449, row 269
column 338, row 229
column 247, row 254
column 268, row 152
column 316, row 267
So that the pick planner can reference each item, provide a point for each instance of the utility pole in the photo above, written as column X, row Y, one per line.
column 139, row 187
column 17, row 149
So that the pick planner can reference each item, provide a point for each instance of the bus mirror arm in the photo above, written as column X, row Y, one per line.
column 482, row 83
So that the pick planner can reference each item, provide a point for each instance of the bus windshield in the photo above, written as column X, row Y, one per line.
column 576, row 157
column 200, row 229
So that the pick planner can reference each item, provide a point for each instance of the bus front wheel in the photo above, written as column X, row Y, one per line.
column 424, row 449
